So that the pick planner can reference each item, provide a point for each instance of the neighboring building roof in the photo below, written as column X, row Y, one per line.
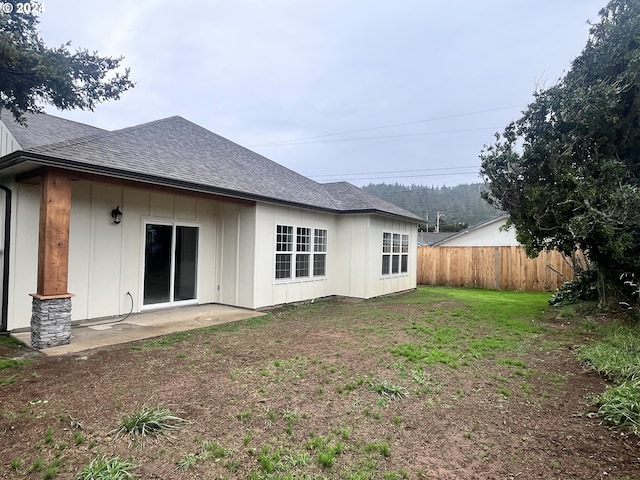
column 176, row 152
column 43, row 129
column 499, row 219
column 431, row 238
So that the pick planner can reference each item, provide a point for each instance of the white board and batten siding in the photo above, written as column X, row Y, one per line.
column 236, row 251
column 270, row 291
column 353, row 262
column 8, row 143
column 106, row 260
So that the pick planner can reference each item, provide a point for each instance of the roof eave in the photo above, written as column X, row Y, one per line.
column 373, row 211
column 21, row 156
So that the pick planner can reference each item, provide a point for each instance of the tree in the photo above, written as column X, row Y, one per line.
column 567, row 171
column 32, row 74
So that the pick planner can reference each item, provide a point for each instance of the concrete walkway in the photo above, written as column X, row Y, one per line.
column 101, row 333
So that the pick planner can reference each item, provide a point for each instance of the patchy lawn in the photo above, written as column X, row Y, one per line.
column 438, row 383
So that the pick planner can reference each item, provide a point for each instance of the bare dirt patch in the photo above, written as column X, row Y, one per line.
column 275, row 393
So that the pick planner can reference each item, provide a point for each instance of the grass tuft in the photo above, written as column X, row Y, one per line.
column 102, row 468
column 388, row 390
column 188, row 461
column 148, row 422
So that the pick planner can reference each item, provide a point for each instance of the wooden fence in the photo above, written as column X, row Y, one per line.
column 501, row 268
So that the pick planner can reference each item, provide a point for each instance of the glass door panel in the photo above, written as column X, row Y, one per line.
column 186, row 261
column 157, row 264
column 170, row 264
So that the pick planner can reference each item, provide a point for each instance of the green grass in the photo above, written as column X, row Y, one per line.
column 617, row 356
column 10, row 364
column 619, row 406
column 388, row 390
column 6, row 363
column 148, row 422
column 165, row 341
column 187, row 462
column 9, row 341
column 8, row 380
column 103, row 468
column 381, row 448
column 474, row 324
column 16, row 463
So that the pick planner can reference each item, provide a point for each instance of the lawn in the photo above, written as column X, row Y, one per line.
column 436, row 383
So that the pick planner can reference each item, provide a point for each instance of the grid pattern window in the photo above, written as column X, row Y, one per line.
column 303, row 244
column 404, row 259
column 319, row 252
column 395, row 253
column 386, row 250
column 303, row 239
column 283, row 265
column 386, row 243
column 284, row 243
column 302, row 254
column 284, row 239
column 395, row 258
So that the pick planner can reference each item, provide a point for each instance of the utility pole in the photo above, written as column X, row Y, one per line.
column 438, row 222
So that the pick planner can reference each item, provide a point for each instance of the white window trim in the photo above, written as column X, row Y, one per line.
column 399, row 254
column 294, row 253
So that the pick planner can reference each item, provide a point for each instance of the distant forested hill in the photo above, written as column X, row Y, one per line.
column 457, row 205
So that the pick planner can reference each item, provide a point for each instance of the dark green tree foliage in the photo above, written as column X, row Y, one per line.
column 460, row 205
column 567, row 171
column 32, row 74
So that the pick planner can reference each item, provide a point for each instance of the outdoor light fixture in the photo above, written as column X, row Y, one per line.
column 116, row 214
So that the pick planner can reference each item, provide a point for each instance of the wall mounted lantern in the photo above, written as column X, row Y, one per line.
column 116, row 214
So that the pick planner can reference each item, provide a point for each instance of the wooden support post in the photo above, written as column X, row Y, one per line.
column 51, row 305
column 53, row 245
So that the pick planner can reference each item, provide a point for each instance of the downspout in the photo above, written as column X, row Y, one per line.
column 5, row 257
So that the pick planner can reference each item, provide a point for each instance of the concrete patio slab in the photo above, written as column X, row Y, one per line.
column 100, row 333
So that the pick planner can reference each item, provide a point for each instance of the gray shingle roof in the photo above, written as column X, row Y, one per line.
column 351, row 198
column 43, row 129
column 175, row 148
column 182, row 153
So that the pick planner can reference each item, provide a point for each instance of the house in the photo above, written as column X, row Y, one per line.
column 100, row 223
column 427, row 239
column 486, row 234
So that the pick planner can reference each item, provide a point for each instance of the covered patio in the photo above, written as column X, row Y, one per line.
column 101, row 333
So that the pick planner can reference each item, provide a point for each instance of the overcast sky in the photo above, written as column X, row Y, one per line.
column 365, row 91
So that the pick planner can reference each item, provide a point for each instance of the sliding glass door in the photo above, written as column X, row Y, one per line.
column 170, row 263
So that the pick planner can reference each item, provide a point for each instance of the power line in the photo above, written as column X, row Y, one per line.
column 355, row 139
column 413, row 176
column 345, row 132
column 396, row 171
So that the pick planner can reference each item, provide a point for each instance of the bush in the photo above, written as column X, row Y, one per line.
column 583, row 288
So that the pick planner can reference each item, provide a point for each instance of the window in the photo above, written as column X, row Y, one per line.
column 303, row 244
column 404, row 261
column 395, row 253
column 395, row 259
column 319, row 252
column 284, row 243
column 302, row 255
column 386, row 250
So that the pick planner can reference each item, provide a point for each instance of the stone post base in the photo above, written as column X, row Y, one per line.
column 50, row 321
